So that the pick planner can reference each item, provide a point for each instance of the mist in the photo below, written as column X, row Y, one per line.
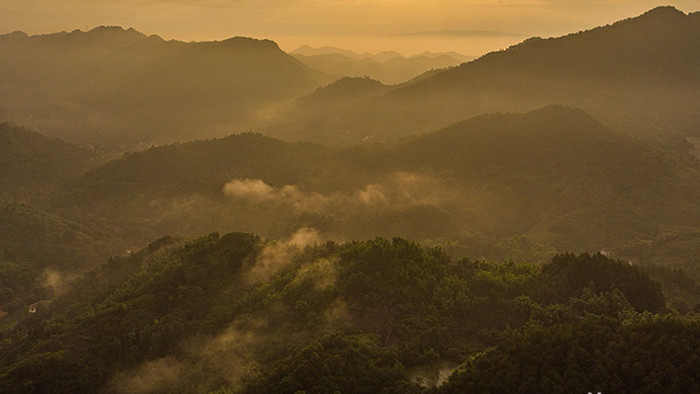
column 277, row 254
column 399, row 191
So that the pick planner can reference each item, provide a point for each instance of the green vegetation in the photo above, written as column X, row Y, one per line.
column 640, row 354
column 236, row 313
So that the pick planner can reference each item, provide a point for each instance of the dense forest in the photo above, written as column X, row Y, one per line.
column 225, row 217
column 238, row 313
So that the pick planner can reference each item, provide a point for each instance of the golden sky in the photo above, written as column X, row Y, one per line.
column 409, row 26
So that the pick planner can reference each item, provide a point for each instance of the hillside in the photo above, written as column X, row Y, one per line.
column 340, row 98
column 111, row 86
column 559, row 174
column 555, row 178
column 639, row 75
column 180, row 188
column 33, row 165
column 239, row 314
column 41, row 254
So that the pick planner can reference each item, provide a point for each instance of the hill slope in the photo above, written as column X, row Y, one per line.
column 33, row 164
column 557, row 171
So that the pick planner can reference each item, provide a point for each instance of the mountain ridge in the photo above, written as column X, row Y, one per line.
column 641, row 70
column 389, row 67
column 111, row 86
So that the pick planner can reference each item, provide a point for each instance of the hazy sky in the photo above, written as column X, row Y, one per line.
column 409, row 26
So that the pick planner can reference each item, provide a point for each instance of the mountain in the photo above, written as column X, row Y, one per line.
column 556, row 177
column 33, row 165
column 111, row 86
column 639, row 75
column 555, row 171
column 182, row 185
column 389, row 67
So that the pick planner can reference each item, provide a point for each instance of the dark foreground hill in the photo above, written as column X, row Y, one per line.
column 238, row 314
column 555, row 176
column 640, row 74
column 115, row 86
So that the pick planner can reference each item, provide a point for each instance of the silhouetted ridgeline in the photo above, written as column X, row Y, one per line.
column 115, row 86
column 388, row 66
column 637, row 74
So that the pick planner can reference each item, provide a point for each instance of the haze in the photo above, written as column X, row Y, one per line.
column 409, row 26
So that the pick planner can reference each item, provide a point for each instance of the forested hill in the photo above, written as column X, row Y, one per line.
column 199, row 165
column 620, row 53
column 554, row 175
column 235, row 312
column 642, row 70
column 114, row 86
column 33, row 165
column 552, row 141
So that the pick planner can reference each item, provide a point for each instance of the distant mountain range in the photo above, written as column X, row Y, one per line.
column 114, row 86
column 641, row 73
column 382, row 56
column 120, row 88
column 389, row 67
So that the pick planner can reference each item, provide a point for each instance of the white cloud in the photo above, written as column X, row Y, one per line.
column 399, row 191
